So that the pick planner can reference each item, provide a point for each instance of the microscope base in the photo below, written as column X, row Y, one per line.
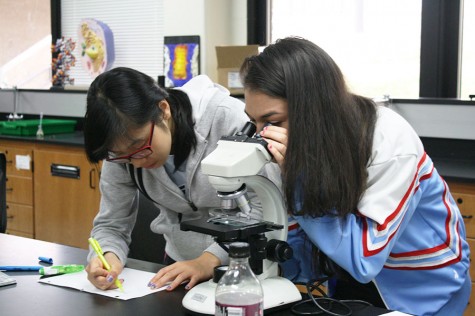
column 278, row 292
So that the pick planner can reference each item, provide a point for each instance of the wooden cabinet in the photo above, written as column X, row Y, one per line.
column 52, row 192
column 19, row 189
column 66, row 196
column 464, row 196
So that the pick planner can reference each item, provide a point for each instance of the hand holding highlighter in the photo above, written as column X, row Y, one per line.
column 97, row 248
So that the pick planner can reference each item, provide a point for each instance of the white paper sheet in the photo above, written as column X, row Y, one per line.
column 135, row 284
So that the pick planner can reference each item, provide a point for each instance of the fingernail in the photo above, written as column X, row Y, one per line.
column 110, row 278
column 152, row 286
column 169, row 287
column 187, row 287
column 270, row 146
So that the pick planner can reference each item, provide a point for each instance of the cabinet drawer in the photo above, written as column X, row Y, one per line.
column 465, row 201
column 19, row 161
column 67, row 218
column 466, row 204
column 19, row 190
column 18, row 233
column 471, row 243
column 20, row 218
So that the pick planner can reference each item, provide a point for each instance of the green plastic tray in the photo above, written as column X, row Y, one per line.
column 29, row 127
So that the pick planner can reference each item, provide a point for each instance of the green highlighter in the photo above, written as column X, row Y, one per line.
column 63, row 269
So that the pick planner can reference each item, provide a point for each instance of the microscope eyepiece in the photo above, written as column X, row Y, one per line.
column 249, row 129
column 258, row 135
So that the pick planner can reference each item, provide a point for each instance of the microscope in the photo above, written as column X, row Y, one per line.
column 233, row 167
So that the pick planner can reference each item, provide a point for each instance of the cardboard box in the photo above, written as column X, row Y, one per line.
column 230, row 59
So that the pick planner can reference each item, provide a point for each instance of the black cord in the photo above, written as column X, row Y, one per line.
column 331, row 303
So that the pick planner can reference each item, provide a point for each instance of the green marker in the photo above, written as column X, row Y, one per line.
column 69, row 268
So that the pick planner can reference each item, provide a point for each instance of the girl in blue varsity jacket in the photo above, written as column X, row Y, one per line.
column 360, row 188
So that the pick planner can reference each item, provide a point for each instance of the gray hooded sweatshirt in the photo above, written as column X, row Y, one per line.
column 216, row 114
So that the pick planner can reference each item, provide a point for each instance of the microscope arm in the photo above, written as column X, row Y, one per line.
column 269, row 195
column 272, row 209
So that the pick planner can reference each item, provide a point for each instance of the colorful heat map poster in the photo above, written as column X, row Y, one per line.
column 181, row 59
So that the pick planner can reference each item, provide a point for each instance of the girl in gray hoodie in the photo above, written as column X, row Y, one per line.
column 153, row 140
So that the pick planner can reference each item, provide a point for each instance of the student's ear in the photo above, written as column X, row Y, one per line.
column 165, row 107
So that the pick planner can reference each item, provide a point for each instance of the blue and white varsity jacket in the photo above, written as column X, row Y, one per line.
column 408, row 236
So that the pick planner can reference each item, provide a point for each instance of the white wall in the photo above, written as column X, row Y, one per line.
column 217, row 22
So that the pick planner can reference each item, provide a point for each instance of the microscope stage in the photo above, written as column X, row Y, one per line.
column 229, row 227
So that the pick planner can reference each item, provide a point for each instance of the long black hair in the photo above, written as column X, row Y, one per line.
column 330, row 132
column 123, row 99
column 330, row 129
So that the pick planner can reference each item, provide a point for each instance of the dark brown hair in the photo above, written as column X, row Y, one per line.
column 330, row 132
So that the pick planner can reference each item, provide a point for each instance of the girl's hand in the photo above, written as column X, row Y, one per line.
column 277, row 139
column 193, row 271
column 99, row 276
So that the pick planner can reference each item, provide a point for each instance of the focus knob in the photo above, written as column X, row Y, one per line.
column 278, row 251
column 219, row 271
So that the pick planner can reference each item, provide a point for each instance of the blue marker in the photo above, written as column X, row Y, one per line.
column 46, row 260
column 20, row 268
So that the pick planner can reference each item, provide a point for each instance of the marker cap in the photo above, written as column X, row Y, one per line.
column 46, row 260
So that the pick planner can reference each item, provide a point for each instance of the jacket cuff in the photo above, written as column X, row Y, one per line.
column 219, row 252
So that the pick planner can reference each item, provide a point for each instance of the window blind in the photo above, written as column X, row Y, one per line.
column 137, row 27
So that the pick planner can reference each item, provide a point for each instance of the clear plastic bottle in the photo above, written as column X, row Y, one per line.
column 239, row 292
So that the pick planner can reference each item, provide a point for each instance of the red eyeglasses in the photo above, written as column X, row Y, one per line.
column 143, row 152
